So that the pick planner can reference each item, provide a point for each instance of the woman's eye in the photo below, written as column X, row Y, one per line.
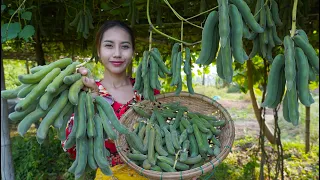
column 108, row 45
column 125, row 47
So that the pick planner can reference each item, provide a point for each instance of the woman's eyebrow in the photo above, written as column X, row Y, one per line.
column 124, row 42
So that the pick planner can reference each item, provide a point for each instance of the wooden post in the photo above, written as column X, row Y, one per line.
column 7, row 170
column 307, row 140
column 27, row 66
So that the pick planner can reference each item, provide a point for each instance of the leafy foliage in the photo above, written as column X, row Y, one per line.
column 12, row 70
column 46, row 161
column 13, row 27
column 244, row 161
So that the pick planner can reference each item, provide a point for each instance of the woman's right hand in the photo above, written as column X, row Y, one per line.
column 89, row 83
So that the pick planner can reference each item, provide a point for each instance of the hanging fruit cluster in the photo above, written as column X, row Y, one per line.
column 152, row 66
column 226, row 26
column 83, row 21
column 293, row 70
column 53, row 93
column 268, row 17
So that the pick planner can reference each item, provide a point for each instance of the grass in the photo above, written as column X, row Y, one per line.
column 244, row 162
column 289, row 132
column 211, row 91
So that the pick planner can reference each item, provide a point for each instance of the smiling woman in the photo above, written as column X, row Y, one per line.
column 115, row 48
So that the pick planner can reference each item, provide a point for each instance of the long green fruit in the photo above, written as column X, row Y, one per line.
column 215, row 45
column 293, row 106
column 227, row 61
column 58, row 81
column 273, row 80
column 281, row 89
column 308, row 50
column 159, row 61
column 38, row 76
column 290, row 63
column 237, row 32
column 207, row 37
column 37, row 91
column 302, row 76
column 111, row 115
column 247, row 15
column 12, row 93
column 224, row 22
column 275, row 13
column 45, row 124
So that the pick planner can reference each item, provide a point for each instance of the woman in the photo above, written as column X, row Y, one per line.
column 115, row 47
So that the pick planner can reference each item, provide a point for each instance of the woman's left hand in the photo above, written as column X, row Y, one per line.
column 89, row 83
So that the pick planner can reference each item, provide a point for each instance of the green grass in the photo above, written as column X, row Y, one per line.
column 211, row 91
column 289, row 132
column 244, row 162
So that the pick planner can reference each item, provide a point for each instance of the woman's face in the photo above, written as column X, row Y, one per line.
column 116, row 51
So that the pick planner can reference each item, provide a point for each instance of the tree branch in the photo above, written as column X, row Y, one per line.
column 266, row 130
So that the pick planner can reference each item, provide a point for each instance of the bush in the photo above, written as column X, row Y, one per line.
column 234, row 88
column 47, row 161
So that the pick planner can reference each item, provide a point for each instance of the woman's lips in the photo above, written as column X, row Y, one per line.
column 117, row 63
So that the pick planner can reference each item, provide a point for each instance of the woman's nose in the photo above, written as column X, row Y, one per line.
column 117, row 52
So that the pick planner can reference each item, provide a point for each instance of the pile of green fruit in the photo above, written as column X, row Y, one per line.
column 171, row 138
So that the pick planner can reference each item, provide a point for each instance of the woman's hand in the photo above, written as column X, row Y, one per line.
column 89, row 83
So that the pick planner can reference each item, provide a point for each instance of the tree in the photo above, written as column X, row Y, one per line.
column 7, row 170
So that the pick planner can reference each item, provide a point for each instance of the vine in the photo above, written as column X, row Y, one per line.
column 179, row 16
column 158, row 31
column 13, row 15
column 279, row 163
column 294, row 18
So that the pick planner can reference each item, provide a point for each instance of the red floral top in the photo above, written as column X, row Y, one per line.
column 119, row 110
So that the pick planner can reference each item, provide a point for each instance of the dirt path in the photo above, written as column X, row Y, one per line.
column 247, row 123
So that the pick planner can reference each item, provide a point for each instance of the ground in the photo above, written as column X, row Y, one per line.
column 243, row 126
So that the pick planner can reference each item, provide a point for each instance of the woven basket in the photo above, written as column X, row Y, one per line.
column 195, row 103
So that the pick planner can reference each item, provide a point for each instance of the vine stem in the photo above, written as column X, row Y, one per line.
column 179, row 16
column 82, row 64
column 261, row 8
column 209, row 10
column 176, row 158
column 150, row 39
column 84, row 6
column 13, row 15
column 294, row 18
column 181, row 36
column 156, row 30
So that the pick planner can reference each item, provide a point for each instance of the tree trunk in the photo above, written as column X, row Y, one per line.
column 7, row 170
column 203, row 78
column 27, row 66
column 37, row 37
column 266, row 129
column 307, row 130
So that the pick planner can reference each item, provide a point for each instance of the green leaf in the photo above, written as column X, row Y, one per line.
column 27, row 32
column 115, row 12
column 3, row 7
column 105, row 6
column 206, row 70
column 199, row 72
column 13, row 30
column 11, row 11
column 26, row 15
